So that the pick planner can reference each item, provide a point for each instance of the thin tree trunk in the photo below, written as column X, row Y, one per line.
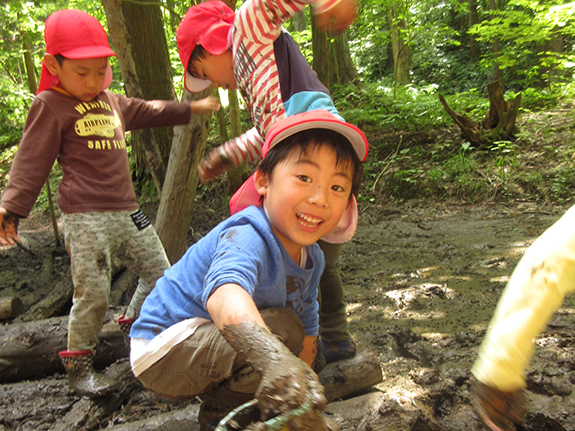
column 474, row 49
column 120, row 37
column 401, row 51
column 298, row 21
column 495, row 45
column 235, row 175
column 177, row 202
column 33, row 86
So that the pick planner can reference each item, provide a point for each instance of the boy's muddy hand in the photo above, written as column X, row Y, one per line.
column 287, row 383
column 498, row 410
column 339, row 17
column 209, row 104
column 211, row 167
column 8, row 227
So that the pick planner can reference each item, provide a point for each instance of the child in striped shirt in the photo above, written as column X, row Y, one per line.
column 252, row 52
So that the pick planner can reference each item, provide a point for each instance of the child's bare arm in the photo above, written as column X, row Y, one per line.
column 209, row 104
column 230, row 305
column 8, row 227
column 339, row 17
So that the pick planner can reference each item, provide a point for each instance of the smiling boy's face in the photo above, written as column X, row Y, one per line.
column 305, row 196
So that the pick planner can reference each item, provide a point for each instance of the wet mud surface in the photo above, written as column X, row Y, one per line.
column 421, row 285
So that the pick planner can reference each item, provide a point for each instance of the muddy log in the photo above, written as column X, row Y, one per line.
column 348, row 377
column 56, row 303
column 29, row 350
column 185, row 419
column 59, row 300
column 10, row 308
column 499, row 124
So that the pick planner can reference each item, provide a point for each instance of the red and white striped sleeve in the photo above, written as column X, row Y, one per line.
column 243, row 149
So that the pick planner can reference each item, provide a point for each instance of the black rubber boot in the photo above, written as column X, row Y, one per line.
column 82, row 377
column 217, row 404
column 125, row 327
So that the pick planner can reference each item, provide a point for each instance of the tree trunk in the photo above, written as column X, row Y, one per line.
column 331, row 57
column 149, row 48
column 120, row 37
column 298, row 21
column 495, row 44
column 29, row 350
column 177, row 202
column 401, row 52
column 474, row 48
column 235, row 175
column 499, row 123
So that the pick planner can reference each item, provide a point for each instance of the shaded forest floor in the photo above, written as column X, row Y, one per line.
column 422, row 277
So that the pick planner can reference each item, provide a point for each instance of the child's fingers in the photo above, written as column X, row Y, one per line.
column 339, row 17
column 8, row 227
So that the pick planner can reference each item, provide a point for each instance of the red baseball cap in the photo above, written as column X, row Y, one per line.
column 76, row 35
column 248, row 195
column 207, row 24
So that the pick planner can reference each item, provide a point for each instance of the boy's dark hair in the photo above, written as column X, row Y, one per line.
column 344, row 152
column 199, row 53
column 60, row 58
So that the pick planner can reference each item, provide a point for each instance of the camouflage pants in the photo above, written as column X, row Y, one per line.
column 92, row 240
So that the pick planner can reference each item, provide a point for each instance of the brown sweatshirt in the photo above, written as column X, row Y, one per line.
column 88, row 140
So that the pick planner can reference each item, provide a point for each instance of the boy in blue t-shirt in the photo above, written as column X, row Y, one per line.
column 216, row 323
column 248, row 49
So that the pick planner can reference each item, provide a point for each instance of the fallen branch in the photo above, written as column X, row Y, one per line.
column 29, row 350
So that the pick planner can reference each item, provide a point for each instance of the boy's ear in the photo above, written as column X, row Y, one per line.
column 261, row 181
column 51, row 64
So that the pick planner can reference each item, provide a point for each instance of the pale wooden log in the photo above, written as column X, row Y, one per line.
column 29, row 350
column 10, row 308
column 349, row 376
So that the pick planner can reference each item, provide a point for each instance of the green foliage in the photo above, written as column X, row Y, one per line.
column 412, row 109
column 525, row 29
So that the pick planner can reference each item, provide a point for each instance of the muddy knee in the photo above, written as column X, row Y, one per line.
column 285, row 324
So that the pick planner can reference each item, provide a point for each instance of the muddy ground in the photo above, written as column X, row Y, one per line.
column 422, row 281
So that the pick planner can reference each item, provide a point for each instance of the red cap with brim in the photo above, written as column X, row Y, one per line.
column 75, row 35
column 208, row 24
column 318, row 119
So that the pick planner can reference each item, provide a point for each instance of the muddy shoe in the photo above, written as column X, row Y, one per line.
column 82, row 377
column 337, row 351
column 125, row 327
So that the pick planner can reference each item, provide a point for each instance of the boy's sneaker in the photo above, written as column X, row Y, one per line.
column 337, row 351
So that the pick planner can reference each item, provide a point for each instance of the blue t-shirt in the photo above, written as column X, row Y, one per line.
column 242, row 250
